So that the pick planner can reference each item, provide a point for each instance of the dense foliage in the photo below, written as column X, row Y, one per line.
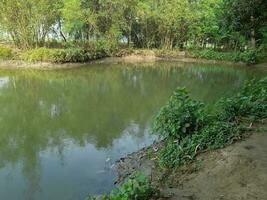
column 6, row 53
column 250, row 103
column 250, row 56
column 63, row 55
column 181, row 115
column 189, row 127
column 138, row 187
column 220, row 24
column 29, row 22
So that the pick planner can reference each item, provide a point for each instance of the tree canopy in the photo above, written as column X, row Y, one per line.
column 168, row 24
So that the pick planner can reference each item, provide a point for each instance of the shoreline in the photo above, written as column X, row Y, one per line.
column 128, row 59
column 229, row 171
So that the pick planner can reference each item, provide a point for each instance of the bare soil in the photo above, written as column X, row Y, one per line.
column 238, row 172
column 19, row 64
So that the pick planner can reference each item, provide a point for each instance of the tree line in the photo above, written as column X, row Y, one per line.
column 167, row 24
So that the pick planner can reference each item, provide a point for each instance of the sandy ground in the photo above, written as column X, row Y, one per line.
column 18, row 64
column 238, row 172
column 151, row 58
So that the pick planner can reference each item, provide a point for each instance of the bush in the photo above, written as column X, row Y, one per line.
column 215, row 55
column 138, row 187
column 249, row 56
column 213, row 136
column 217, row 135
column 6, row 53
column 110, row 47
column 40, row 54
column 250, row 103
column 252, row 56
column 177, row 154
column 189, row 127
column 63, row 55
column 71, row 52
column 124, row 52
column 180, row 117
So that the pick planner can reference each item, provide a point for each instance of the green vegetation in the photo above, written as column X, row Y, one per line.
column 138, row 187
column 181, row 115
column 250, row 103
column 6, row 53
column 236, row 27
column 250, row 56
column 189, row 127
column 62, row 55
column 70, row 53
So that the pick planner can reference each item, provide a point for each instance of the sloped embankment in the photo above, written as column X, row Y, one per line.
column 236, row 172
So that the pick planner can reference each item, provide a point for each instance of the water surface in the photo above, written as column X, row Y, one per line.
column 61, row 131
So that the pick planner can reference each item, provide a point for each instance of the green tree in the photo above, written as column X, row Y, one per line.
column 245, row 17
column 28, row 22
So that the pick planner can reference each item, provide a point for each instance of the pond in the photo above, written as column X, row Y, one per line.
column 61, row 131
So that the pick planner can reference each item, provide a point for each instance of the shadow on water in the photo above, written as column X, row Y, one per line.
column 61, row 131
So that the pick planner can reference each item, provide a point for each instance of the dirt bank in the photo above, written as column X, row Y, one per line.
column 238, row 172
column 19, row 64
column 133, row 58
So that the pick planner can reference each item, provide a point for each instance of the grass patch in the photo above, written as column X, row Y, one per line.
column 62, row 55
column 138, row 187
column 71, row 52
column 6, row 53
column 249, row 56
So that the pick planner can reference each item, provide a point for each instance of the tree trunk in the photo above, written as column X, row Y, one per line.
column 63, row 36
column 253, row 40
column 60, row 31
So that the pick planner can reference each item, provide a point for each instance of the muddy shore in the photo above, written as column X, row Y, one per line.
column 19, row 64
column 237, row 172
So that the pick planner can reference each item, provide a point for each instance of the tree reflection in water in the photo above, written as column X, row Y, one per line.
column 100, row 111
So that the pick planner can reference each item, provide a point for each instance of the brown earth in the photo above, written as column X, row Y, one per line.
column 19, row 64
column 238, row 172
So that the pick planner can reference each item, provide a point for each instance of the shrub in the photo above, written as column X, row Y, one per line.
column 215, row 55
column 124, row 52
column 180, row 117
column 176, row 154
column 71, row 52
column 109, row 47
column 40, row 54
column 6, row 53
column 138, row 187
column 189, row 127
column 70, row 55
column 249, row 56
column 252, row 56
column 217, row 135
column 63, row 55
column 214, row 136
column 250, row 103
